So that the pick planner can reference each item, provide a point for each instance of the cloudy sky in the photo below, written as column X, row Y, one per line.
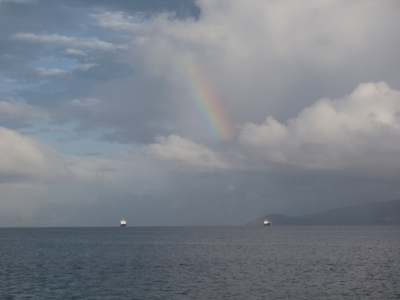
column 211, row 112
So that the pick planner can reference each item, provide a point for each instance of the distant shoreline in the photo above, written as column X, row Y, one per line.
column 372, row 213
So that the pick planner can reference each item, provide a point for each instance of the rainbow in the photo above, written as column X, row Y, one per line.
column 206, row 100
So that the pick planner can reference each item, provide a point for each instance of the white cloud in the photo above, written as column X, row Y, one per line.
column 21, row 110
column 24, row 159
column 185, row 154
column 50, row 72
column 75, row 52
column 359, row 130
column 76, row 42
column 85, row 102
column 119, row 20
column 84, row 67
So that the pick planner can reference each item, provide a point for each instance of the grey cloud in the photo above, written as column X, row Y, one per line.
column 183, row 153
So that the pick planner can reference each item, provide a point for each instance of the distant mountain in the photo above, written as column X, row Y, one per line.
column 373, row 213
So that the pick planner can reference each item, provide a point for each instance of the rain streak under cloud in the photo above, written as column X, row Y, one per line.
column 195, row 113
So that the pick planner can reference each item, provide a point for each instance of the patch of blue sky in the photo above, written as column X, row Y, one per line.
column 109, row 34
column 65, row 64
column 8, row 84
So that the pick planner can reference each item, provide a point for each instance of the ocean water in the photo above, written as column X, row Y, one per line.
column 304, row 262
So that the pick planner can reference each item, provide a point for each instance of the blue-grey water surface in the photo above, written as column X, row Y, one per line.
column 304, row 262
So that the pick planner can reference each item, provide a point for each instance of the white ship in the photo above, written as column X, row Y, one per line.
column 123, row 222
column 267, row 223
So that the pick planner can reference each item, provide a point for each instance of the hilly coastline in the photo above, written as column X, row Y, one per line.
column 373, row 213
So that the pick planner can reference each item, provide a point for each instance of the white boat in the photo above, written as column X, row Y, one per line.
column 267, row 223
column 123, row 222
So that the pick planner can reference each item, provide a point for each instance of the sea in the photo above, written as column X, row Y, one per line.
column 276, row 262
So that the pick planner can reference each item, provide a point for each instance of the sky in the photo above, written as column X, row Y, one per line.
column 185, row 113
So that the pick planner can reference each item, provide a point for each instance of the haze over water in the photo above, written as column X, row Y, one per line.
column 304, row 262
